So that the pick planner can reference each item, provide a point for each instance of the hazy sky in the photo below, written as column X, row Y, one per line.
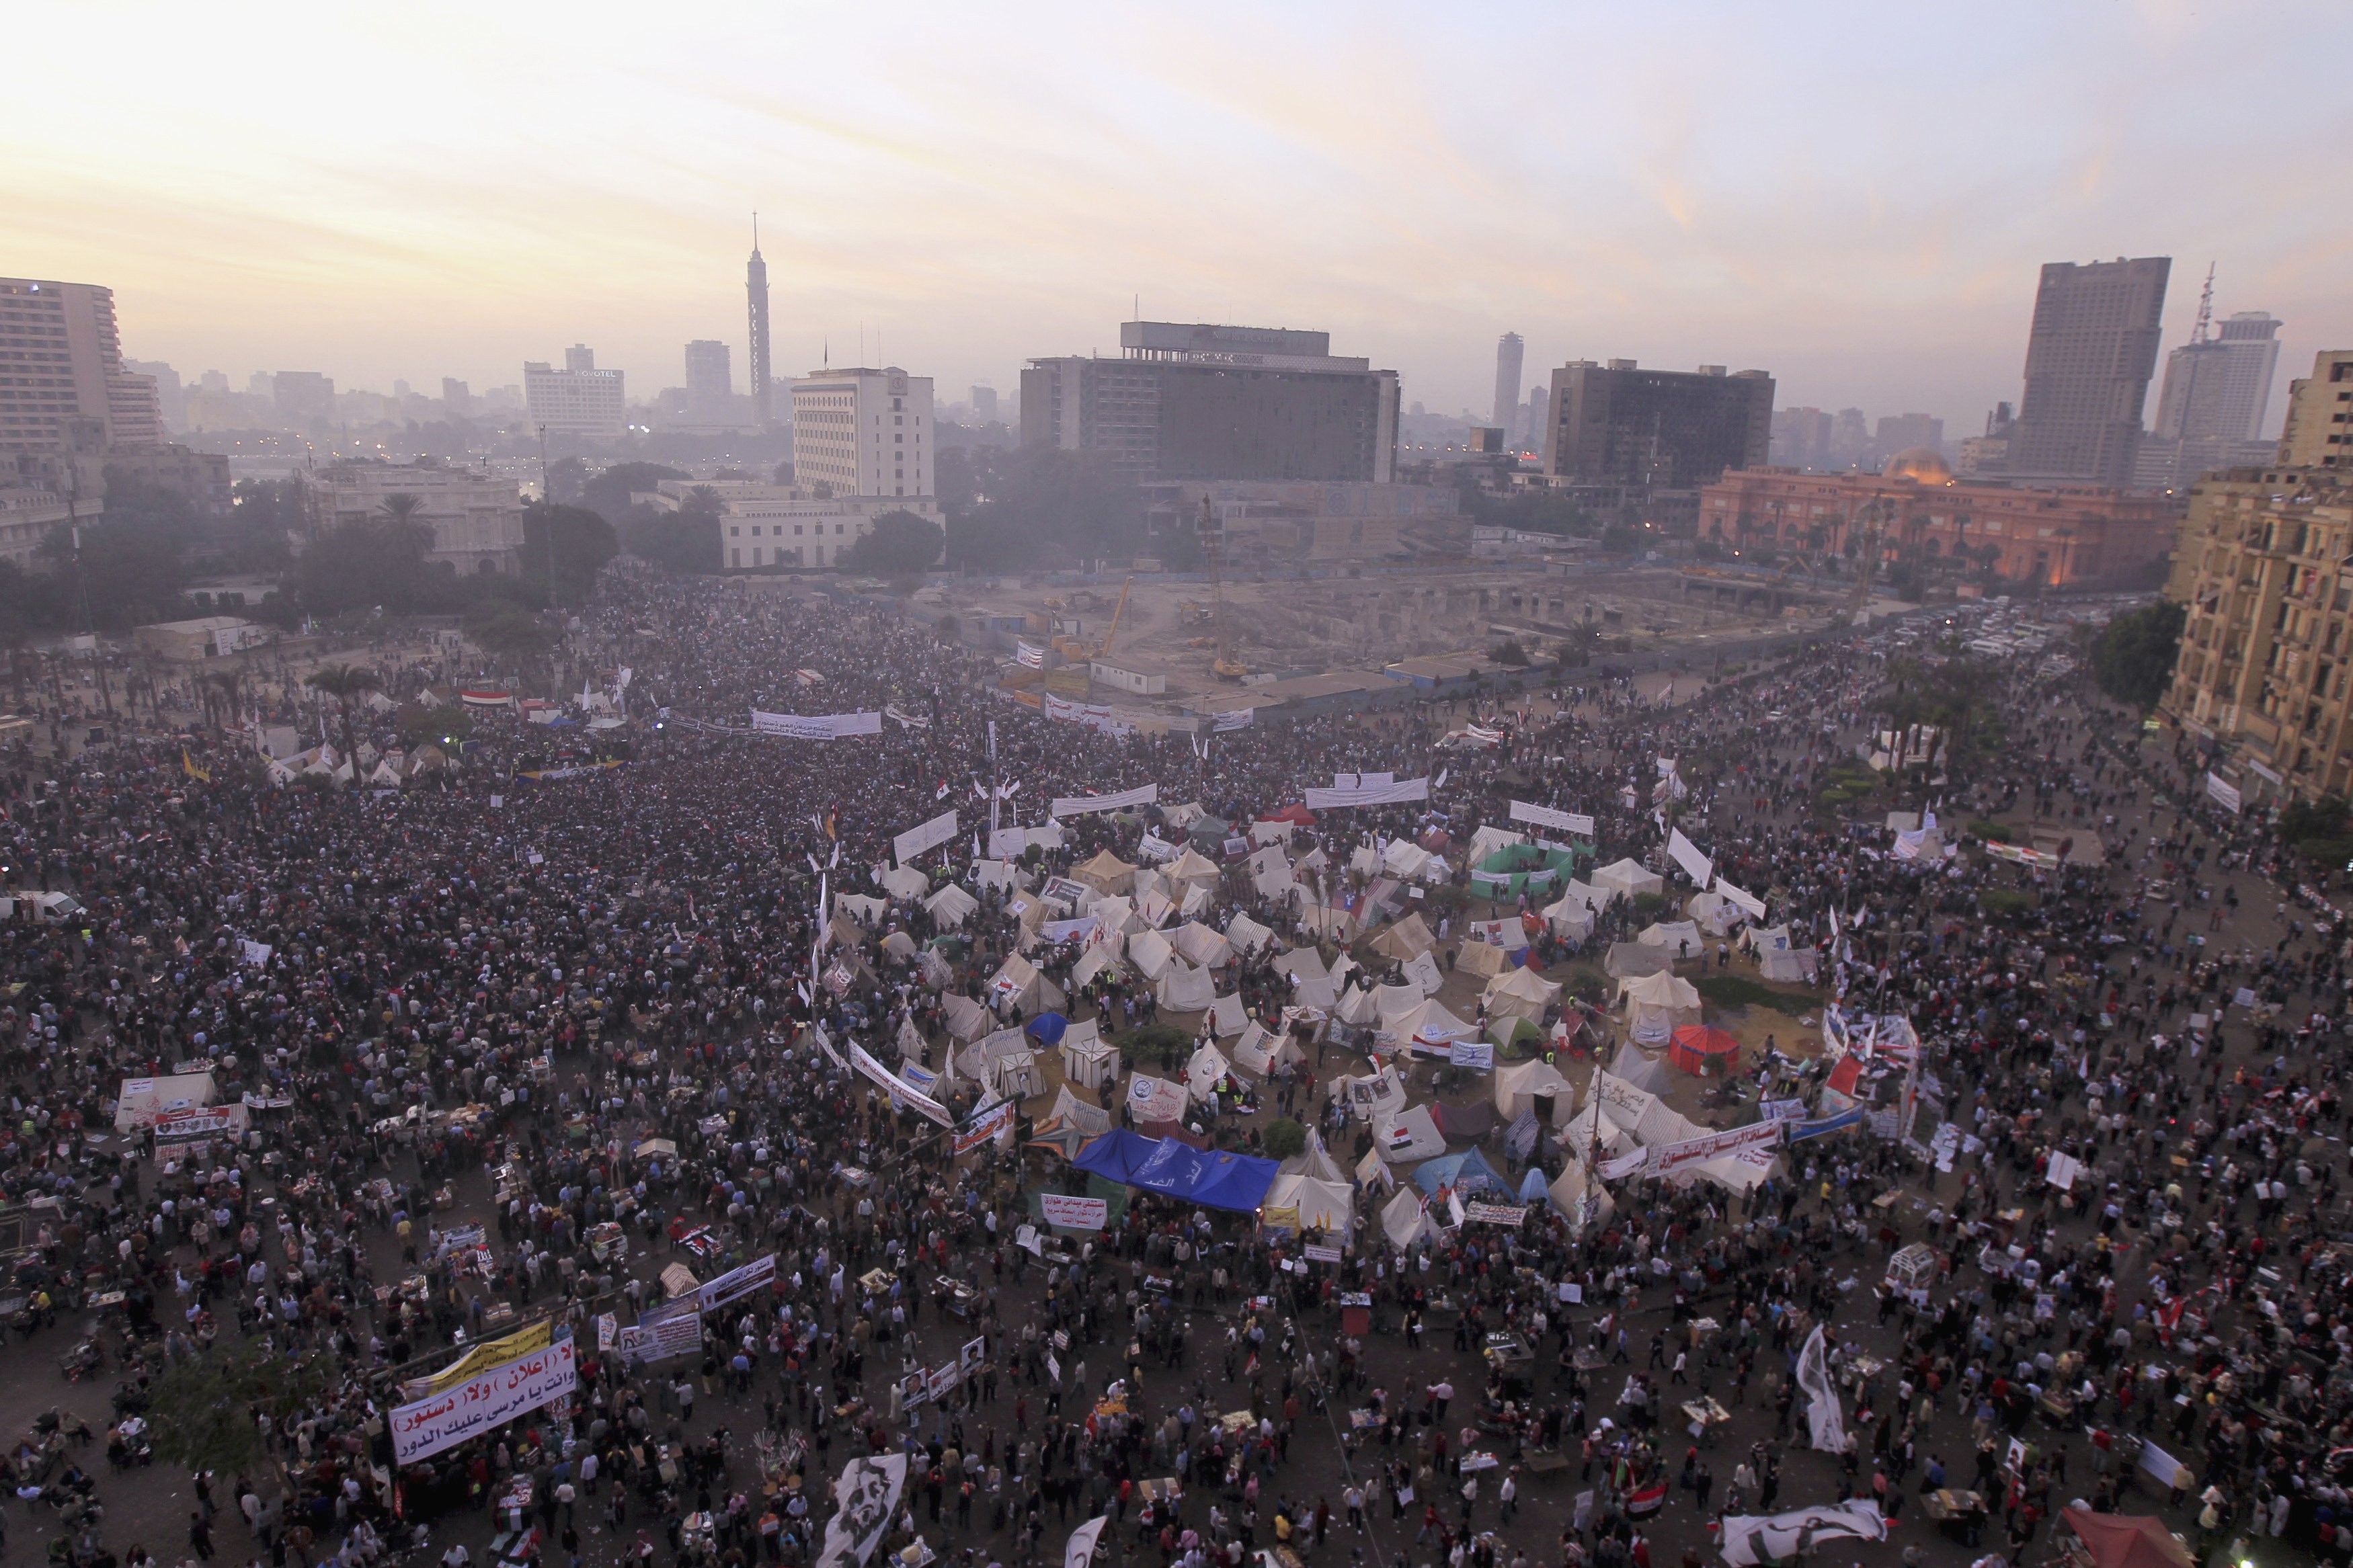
column 1855, row 197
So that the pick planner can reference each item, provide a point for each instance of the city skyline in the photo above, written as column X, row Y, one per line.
column 1775, row 197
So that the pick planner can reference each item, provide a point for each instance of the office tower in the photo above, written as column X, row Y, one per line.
column 1619, row 424
column 2217, row 388
column 171, row 396
column 756, row 294
column 1902, row 432
column 863, row 433
column 1508, row 352
column 984, row 405
column 1196, row 401
column 709, row 382
column 2089, row 356
column 1539, row 412
column 579, row 358
column 578, row 400
column 64, row 353
column 304, row 394
column 455, row 397
column 1850, row 437
column 2319, row 429
column 1801, row 437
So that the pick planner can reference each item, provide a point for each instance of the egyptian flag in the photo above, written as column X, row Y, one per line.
column 1648, row 1501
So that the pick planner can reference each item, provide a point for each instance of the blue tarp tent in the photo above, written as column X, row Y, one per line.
column 1532, row 1186
column 1163, row 1165
column 1050, row 1027
column 1465, row 1173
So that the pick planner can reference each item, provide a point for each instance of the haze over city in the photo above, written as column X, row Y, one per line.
column 1856, row 198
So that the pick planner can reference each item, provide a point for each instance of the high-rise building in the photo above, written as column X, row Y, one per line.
column 455, row 397
column 984, row 405
column 756, row 294
column 2262, row 570
column 171, row 396
column 2217, row 388
column 1509, row 352
column 1902, row 432
column 865, row 433
column 304, row 394
column 1539, row 414
column 2319, row 429
column 1801, row 437
column 61, row 360
column 1849, row 438
column 1204, row 402
column 710, row 381
column 2089, row 356
column 1619, row 424
column 1988, row 454
column 579, row 400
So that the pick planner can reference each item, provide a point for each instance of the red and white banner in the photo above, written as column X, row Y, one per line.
column 984, row 1127
column 483, row 1403
column 1753, row 1143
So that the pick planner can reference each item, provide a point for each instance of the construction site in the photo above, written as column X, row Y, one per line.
column 1156, row 645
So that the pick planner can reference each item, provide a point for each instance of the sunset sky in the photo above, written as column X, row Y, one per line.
column 1853, row 196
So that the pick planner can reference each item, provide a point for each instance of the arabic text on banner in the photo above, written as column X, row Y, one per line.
column 818, row 726
column 924, row 836
column 1232, row 719
column 1752, row 1142
column 930, row 1109
column 481, row 1358
column 444, row 1420
column 984, row 1126
column 1546, row 816
column 1079, row 806
column 737, row 1283
column 1081, row 1550
column 1075, row 1214
column 1395, row 793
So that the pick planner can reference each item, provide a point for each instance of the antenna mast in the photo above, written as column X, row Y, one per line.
column 2205, row 307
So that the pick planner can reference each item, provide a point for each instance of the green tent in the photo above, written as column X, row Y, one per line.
column 1520, row 867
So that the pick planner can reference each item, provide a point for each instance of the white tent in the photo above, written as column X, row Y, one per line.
column 1227, row 1015
column 1192, row 866
column 1403, row 939
column 1633, row 1065
column 1098, row 957
column 1184, row 989
column 1264, row 832
column 1270, row 871
column 1116, row 915
column 951, row 906
column 1373, row 1171
column 1364, row 859
column 1370, row 1094
column 1404, row 859
column 1519, row 1085
column 859, row 907
column 1483, row 959
column 1421, row 972
column 1183, row 815
column 1299, row 963
column 1358, row 1007
column 1316, row 1161
column 967, row 1019
column 1327, row 1205
column 1149, row 951
column 1588, row 1126
column 1679, row 938
column 1106, row 873
column 1202, row 1072
column 1779, row 957
column 999, row 874
column 1314, row 993
column 1658, row 1004
column 1394, row 1002
column 1018, row 987
column 1088, row 1119
column 1014, row 1075
column 1632, row 960
column 1262, row 1053
column 898, row 944
column 1408, row 1137
column 1155, row 908
column 1573, row 913
column 1627, row 877
column 1715, row 914
column 1087, row 1062
column 1522, row 993
column 1246, row 935
column 1431, row 1025
column 1489, row 840
column 1202, row 946
column 1406, row 1220
column 905, row 882
column 1197, row 901
column 1570, row 1189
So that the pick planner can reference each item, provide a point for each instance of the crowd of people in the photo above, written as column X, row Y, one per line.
column 510, row 1049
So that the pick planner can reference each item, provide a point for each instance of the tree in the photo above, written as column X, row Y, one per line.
column 608, row 494
column 901, row 544
column 583, row 542
column 401, row 507
column 346, row 683
column 686, row 540
column 507, row 633
column 1285, row 1137
column 225, row 688
column 201, row 1414
column 376, row 560
column 2133, row 660
column 1510, row 652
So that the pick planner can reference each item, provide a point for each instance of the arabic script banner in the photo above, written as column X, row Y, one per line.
column 481, row 1403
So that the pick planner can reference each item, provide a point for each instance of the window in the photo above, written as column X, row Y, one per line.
column 733, row 532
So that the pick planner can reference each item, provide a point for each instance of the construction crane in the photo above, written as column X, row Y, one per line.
column 1225, row 666
column 1117, row 611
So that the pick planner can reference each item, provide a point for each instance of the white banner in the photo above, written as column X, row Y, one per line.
column 816, row 727
column 1750, row 902
column 254, row 953
column 1546, row 816
column 737, row 1283
column 1029, row 655
column 912, row 721
column 1823, row 1412
column 1685, row 853
column 1751, row 1538
column 1079, row 806
column 865, row 1495
column 2226, row 796
column 199, row 1121
column 1752, row 1142
column 1153, row 1099
column 1369, row 795
column 1476, row 1054
column 926, row 837
column 1075, row 1214
column 1232, row 719
column 927, row 1107
column 481, row 1403
column 1080, row 1552
column 1495, row 1214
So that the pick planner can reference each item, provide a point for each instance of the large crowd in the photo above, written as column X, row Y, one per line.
column 511, row 1049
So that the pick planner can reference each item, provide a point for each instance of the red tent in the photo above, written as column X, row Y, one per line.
column 2127, row 1540
column 1700, row 1050
column 1295, row 814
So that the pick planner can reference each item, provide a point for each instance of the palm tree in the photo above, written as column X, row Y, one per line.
column 230, row 686
column 401, row 506
column 346, row 683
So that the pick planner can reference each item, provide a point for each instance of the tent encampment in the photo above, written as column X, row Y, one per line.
column 1201, row 946
column 1149, row 955
column 1327, row 1205
column 1645, row 1071
column 1520, row 1086
column 1086, row 1060
column 1202, row 1072
column 1210, row 1178
column 1574, row 912
column 1628, row 879
column 1715, row 914
column 967, row 1019
column 1406, row 1220
column 905, row 882
column 1106, row 873
column 1658, row 1004
column 1227, row 1016
column 1483, row 959
column 1431, row 1025
column 1520, row 992
column 1466, row 1173
column 1192, row 866
column 1408, row 1137
column 1184, row 989
column 1681, row 938
column 1467, row 1122
column 1246, row 936
column 1634, row 960
column 1700, row 1050
column 1780, row 958
column 1421, row 972
column 859, row 907
column 1404, row 940
column 1572, row 1191
column 951, row 907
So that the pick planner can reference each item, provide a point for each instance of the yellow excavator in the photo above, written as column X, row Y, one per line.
column 1225, row 666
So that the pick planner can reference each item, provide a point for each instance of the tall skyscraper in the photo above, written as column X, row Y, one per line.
column 1539, row 414
column 579, row 399
column 1509, row 351
column 2217, row 388
column 579, row 358
column 63, row 336
column 864, row 432
column 756, row 294
column 2089, row 356
column 710, row 381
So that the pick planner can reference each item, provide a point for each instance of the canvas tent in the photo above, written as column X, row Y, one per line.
column 1634, row 960
column 1483, row 959
column 967, row 1019
column 1245, row 935
column 1098, row 957
column 1405, row 860
column 1192, row 866
column 1628, row 879
column 1520, row 1085
column 1780, row 958
column 1430, row 1024
column 1106, row 873
column 1635, row 1066
column 1573, row 913
column 951, row 907
column 905, row 882
column 1299, row 963
column 1404, row 940
column 1227, row 1016
column 1086, row 1060
column 1316, row 1161
column 1519, row 993
column 1173, row 1169
column 1700, row 1050
column 1658, row 1004
column 1202, row 1073
column 1326, row 1205
column 1408, row 1137
column 1150, row 955
column 1262, row 1053
column 1421, row 974
column 1370, row 1095
column 1018, row 989
column 1574, row 1189
column 1201, row 946
column 1406, row 1220
column 859, row 907
column 1679, row 938
column 1184, row 989
column 1715, row 914
column 1469, row 1121
column 1465, row 1173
